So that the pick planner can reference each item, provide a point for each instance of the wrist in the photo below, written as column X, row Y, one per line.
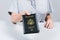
column 48, row 17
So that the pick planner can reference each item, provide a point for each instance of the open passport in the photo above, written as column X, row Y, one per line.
column 30, row 24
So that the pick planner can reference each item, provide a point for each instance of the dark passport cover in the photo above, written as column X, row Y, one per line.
column 30, row 24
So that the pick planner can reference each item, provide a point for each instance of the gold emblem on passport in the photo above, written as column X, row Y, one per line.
column 30, row 22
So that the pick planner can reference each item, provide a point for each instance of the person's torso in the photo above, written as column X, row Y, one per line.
column 41, row 7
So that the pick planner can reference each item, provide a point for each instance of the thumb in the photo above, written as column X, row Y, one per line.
column 27, row 13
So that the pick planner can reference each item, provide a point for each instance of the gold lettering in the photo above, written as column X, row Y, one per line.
column 29, row 16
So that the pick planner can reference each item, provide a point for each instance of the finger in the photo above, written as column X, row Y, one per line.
column 14, row 22
column 19, row 20
column 27, row 13
column 24, row 13
column 14, row 19
column 50, row 26
column 47, row 24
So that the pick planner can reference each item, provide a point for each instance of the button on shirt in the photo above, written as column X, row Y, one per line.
column 41, row 7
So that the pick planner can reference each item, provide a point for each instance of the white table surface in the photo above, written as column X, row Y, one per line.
column 7, row 32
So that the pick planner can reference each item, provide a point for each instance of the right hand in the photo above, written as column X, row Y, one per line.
column 18, row 17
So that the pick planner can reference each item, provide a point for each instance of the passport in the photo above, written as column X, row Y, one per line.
column 30, row 24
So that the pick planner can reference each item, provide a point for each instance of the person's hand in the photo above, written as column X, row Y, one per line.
column 49, row 23
column 23, row 13
column 14, row 18
column 18, row 17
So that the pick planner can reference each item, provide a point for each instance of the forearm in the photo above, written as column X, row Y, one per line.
column 48, row 16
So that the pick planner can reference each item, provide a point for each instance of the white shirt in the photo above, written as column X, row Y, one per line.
column 42, row 7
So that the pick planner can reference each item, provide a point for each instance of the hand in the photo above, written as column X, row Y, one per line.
column 49, row 24
column 18, row 17
column 14, row 18
column 23, row 13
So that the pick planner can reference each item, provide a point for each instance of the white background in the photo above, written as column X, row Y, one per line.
column 4, row 5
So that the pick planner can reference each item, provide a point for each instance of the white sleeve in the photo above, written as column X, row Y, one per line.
column 50, row 8
column 13, row 7
column 25, row 5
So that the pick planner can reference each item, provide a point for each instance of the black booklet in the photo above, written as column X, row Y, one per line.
column 30, row 24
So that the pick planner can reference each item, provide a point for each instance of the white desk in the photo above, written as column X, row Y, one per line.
column 8, row 32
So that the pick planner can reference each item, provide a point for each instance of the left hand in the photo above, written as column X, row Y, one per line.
column 49, row 24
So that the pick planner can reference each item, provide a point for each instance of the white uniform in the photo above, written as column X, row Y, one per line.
column 42, row 7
